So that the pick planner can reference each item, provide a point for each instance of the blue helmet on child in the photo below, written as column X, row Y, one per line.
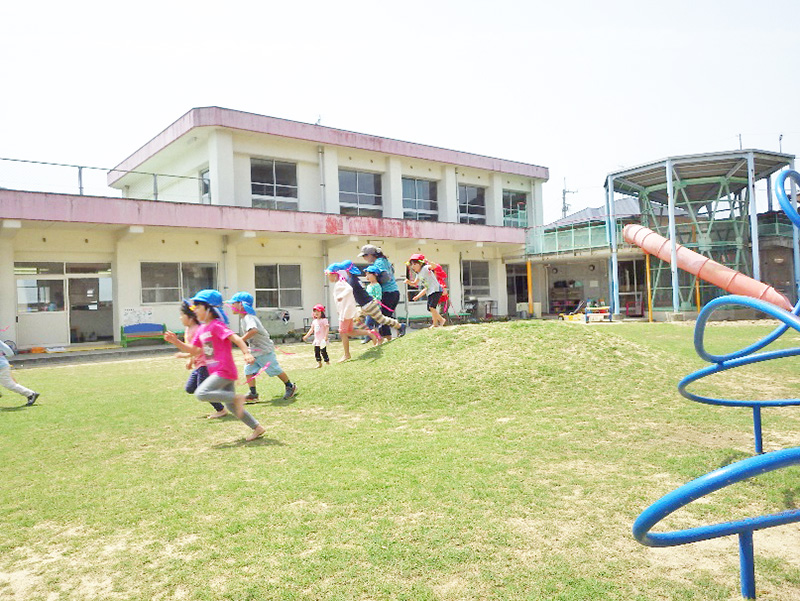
column 214, row 299
column 246, row 299
column 343, row 266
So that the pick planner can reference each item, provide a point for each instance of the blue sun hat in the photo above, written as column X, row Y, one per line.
column 214, row 299
column 246, row 299
column 342, row 266
column 373, row 269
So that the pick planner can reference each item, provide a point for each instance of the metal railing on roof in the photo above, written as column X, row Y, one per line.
column 572, row 238
column 774, row 226
column 84, row 180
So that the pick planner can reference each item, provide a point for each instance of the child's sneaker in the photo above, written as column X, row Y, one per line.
column 290, row 392
column 32, row 399
column 402, row 331
column 251, row 398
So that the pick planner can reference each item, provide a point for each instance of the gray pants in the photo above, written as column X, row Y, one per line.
column 215, row 389
column 8, row 382
column 373, row 310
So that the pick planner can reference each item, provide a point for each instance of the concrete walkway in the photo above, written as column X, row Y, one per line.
column 86, row 354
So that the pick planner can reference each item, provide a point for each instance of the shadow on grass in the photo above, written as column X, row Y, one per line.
column 258, row 442
column 734, row 457
column 282, row 402
column 19, row 408
column 371, row 354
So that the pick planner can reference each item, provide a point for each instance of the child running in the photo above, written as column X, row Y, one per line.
column 428, row 284
column 346, row 305
column 319, row 328
column 345, row 270
column 375, row 291
column 261, row 347
column 213, row 340
column 196, row 362
column 7, row 380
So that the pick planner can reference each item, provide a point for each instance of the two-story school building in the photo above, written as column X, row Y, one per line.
column 238, row 201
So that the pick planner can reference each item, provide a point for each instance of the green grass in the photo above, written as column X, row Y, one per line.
column 492, row 461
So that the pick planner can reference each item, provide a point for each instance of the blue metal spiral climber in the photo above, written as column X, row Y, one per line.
column 747, row 468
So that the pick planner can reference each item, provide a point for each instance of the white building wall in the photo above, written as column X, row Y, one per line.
column 8, row 300
column 221, row 167
column 448, row 195
column 393, row 189
column 494, row 200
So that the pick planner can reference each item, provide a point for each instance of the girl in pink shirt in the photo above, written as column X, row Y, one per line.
column 319, row 328
column 213, row 340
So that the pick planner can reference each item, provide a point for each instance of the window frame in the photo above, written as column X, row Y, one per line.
column 469, row 210
column 515, row 217
column 357, row 207
column 182, row 291
column 279, row 290
column 470, row 289
column 414, row 212
column 273, row 200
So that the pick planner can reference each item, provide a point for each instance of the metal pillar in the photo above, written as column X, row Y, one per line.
column 611, row 234
column 676, row 305
column 751, row 192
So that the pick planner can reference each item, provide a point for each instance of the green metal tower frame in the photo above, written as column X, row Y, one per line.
column 704, row 202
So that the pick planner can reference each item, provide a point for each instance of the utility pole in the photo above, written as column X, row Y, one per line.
column 564, row 205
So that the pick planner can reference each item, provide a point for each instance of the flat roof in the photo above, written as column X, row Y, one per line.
column 221, row 117
column 713, row 165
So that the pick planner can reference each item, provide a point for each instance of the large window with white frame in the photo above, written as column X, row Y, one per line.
column 471, row 204
column 273, row 184
column 475, row 278
column 278, row 286
column 420, row 200
column 360, row 193
column 171, row 282
column 515, row 208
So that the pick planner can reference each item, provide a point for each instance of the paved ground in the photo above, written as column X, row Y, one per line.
column 79, row 355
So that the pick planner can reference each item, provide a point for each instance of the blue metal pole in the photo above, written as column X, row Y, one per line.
column 747, row 565
column 757, row 429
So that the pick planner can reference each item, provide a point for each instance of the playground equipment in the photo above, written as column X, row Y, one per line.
column 587, row 311
column 703, row 267
column 769, row 304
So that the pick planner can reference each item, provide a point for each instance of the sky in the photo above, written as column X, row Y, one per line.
column 583, row 87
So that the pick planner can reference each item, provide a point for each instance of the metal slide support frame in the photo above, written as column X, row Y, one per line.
column 751, row 192
column 611, row 233
column 672, row 239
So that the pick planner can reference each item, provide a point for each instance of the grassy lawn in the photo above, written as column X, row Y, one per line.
column 493, row 461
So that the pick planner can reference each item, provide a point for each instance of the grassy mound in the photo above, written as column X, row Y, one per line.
column 493, row 461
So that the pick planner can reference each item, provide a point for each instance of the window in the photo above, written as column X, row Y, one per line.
column 419, row 200
column 515, row 209
column 273, row 184
column 39, row 295
column 475, row 275
column 360, row 193
column 411, row 291
column 170, row 282
column 38, row 268
column 205, row 187
column 278, row 286
column 471, row 204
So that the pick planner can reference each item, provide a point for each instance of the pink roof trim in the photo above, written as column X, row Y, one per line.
column 123, row 212
column 221, row 117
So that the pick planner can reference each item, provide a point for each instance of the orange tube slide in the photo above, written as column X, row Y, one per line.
column 706, row 269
